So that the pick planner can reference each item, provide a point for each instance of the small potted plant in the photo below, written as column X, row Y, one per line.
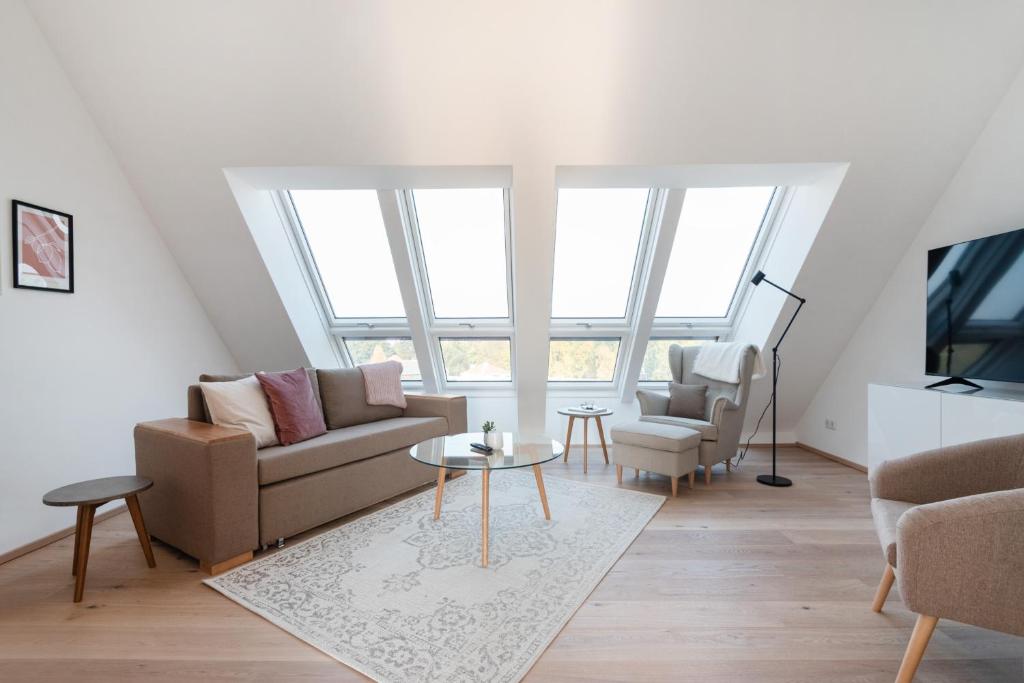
column 492, row 437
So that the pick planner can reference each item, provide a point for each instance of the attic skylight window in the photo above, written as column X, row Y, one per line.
column 597, row 241
column 717, row 231
column 462, row 238
column 349, row 247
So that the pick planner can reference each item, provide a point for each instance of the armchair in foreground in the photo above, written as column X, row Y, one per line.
column 951, row 525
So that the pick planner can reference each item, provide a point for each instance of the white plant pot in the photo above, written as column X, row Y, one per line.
column 493, row 439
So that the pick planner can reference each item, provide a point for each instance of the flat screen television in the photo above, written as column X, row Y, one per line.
column 976, row 309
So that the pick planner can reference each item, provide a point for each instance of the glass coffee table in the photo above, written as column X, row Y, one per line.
column 454, row 453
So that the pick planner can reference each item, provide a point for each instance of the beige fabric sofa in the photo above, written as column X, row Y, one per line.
column 951, row 525
column 217, row 498
column 725, row 410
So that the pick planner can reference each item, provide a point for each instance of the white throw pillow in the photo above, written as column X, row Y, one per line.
column 241, row 404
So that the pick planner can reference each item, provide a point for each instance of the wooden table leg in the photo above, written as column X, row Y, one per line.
column 485, row 511
column 540, row 489
column 568, row 438
column 600, row 433
column 586, row 428
column 140, row 528
column 78, row 538
column 440, row 493
column 88, row 513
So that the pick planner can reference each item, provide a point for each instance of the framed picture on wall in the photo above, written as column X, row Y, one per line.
column 43, row 248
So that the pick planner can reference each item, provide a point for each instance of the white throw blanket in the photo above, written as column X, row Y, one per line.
column 721, row 361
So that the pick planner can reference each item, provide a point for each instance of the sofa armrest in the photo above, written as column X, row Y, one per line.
column 204, row 499
column 652, row 403
column 451, row 407
column 952, row 472
column 963, row 559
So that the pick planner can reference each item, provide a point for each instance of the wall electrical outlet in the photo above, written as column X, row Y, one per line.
column 830, row 424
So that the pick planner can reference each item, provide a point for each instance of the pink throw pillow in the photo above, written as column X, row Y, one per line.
column 297, row 415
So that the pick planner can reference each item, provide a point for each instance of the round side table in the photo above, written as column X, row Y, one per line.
column 89, row 495
column 574, row 412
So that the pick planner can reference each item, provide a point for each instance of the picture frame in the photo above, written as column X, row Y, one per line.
column 43, row 241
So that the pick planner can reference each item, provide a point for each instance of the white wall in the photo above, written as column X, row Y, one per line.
column 77, row 371
column 898, row 90
column 985, row 197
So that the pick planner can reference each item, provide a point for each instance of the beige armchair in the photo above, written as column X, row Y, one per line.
column 951, row 524
column 726, row 407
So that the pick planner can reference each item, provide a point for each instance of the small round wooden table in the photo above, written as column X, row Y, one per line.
column 574, row 412
column 89, row 495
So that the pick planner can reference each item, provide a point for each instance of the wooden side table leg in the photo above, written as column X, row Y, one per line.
column 586, row 428
column 78, row 539
column 440, row 493
column 568, row 438
column 140, row 528
column 88, row 513
column 543, row 493
column 600, row 433
column 485, row 508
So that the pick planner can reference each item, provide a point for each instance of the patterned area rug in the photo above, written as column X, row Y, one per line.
column 400, row 597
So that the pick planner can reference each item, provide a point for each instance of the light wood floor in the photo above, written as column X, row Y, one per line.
column 736, row 582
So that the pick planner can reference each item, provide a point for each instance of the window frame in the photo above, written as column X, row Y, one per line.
column 309, row 261
column 640, row 265
column 398, row 213
column 477, row 383
column 576, row 383
column 350, row 362
column 765, row 233
column 410, row 218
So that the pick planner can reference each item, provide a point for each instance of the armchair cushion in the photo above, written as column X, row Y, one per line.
column 708, row 431
column 886, row 514
column 687, row 400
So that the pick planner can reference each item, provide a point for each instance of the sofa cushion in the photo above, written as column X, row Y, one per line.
column 241, row 404
column 343, row 396
column 205, row 377
column 658, row 437
column 708, row 431
column 345, row 445
column 297, row 415
column 886, row 513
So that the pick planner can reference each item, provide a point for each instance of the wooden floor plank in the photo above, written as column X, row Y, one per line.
column 729, row 583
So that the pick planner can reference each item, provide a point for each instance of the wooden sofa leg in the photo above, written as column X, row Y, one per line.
column 884, row 586
column 221, row 567
column 675, row 486
column 707, row 475
column 923, row 630
column 618, row 473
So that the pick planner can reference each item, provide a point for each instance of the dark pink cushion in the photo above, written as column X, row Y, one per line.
column 297, row 415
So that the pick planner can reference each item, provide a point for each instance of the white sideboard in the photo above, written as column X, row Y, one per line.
column 903, row 420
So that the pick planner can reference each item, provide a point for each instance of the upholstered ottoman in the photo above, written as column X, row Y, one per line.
column 664, row 449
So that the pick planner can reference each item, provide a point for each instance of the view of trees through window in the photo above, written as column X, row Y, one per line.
column 655, row 366
column 477, row 360
column 582, row 360
column 365, row 351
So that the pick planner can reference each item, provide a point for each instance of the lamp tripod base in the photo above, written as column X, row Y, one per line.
column 773, row 480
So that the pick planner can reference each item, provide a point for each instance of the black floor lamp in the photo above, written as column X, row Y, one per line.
column 773, row 479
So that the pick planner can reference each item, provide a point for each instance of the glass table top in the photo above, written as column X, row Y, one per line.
column 454, row 452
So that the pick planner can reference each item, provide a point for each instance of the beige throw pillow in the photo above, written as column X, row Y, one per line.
column 241, row 404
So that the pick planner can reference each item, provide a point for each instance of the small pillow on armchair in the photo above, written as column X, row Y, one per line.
column 297, row 415
column 687, row 400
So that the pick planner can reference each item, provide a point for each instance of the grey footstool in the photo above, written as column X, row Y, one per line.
column 664, row 449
